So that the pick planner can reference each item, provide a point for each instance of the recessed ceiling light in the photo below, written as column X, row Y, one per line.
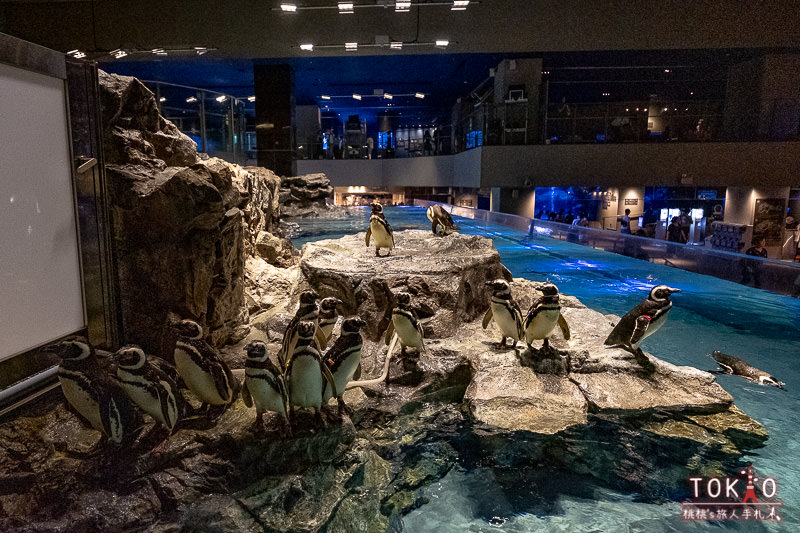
column 307, row 46
column 289, row 8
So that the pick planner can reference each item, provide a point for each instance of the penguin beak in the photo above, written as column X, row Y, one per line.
column 673, row 291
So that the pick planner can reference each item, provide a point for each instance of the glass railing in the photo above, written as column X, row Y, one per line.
column 777, row 276
column 221, row 124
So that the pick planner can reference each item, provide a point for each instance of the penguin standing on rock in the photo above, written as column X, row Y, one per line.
column 440, row 217
column 148, row 386
column 91, row 390
column 343, row 358
column 328, row 316
column 306, row 372
column 542, row 317
column 406, row 323
column 380, row 230
column 505, row 311
column 202, row 368
column 264, row 385
column 307, row 312
column 643, row 320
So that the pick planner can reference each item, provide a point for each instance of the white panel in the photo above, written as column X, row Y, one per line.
column 40, row 286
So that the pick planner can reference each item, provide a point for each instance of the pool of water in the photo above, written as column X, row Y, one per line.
column 709, row 314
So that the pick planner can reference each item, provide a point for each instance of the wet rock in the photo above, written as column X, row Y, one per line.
column 304, row 196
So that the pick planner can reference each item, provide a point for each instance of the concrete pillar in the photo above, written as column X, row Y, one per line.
column 494, row 199
column 275, row 123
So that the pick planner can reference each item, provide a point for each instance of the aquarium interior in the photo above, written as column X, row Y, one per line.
column 709, row 314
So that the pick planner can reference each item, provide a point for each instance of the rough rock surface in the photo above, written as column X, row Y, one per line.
column 304, row 196
column 518, row 418
column 183, row 224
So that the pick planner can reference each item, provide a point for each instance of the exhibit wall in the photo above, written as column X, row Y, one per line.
column 40, row 277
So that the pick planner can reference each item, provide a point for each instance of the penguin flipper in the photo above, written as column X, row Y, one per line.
column 357, row 373
column 389, row 331
column 111, row 419
column 369, row 234
column 326, row 373
column 433, row 226
column 725, row 368
column 227, row 386
column 319, row 337
column 246, row 397
column 642, row 323
column 562, row 323
column 486, row 318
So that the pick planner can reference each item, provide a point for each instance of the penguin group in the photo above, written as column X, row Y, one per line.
column 108, row 391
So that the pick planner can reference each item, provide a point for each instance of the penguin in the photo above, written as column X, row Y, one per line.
column 307, row 311
column 406, row 324
column 343, row 358
column 306, row 372
column 92, row 390
column 440, row 217
column 643, row 320
column 543, row 315
column 505, row 311
column 734, row 365
column 380, row 229
column 264, row 385
column 327, row 320
column 202, row 368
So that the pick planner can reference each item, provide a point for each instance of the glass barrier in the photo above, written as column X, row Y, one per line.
column 769, row 274
column 221, row 124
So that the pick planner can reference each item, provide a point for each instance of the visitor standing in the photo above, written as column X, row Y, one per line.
column 625, row 222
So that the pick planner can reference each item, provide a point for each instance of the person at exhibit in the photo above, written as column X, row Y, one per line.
column 427, row 147
column 674, row 231
column 370, row 146
column 751, row 271
column 625, row 222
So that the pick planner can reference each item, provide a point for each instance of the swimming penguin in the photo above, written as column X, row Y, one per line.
column 92, row 390
column 306, row 372
column 380, row 229
column 264, row 385
column 343, row 358
column 440, row 217
column 202, row 368
column 328, row 316
column 643, row 320
column 542, row 317
column 148, row 386
column 307, row 311
column 734, row 365
column 505, row 311
column 406, row 324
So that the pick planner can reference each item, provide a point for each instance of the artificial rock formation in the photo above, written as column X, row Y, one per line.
column 303, row 196
column 523, row 417
column 183, row 224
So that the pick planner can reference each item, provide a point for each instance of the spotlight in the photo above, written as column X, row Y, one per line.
column 419, row 95
column 191, row 100
column 200, row 50
column 387, row 96
column 351, row 47
column 356, row 96
column 308, row 47
column 162, row 99
column 459, row 5
column 158, row 51
column 396, row 45
column 402, row 7
column 289, row 8
column 251, row 98
column 77, row 54
column 345, row 8
column 326, row 97
column 442, row 43
column 221, row 99
column 119, row 53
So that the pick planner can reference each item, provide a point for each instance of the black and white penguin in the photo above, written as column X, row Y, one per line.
column 505, row 312
column 738, row 367
column 308, row 311
column 439, row 217
column 202, row 368
column 264, row 385
column 543, row 315
column 380, row 230
column 92, row 390
column 344, row 357
column 306, row 373
column 643, row 320
column 147, row 386
column 406, row 324
column 328, row 315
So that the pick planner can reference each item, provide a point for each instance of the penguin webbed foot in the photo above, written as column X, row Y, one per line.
column 258, row 427
column 343, row 408
column 647, row 366
column 320, row 419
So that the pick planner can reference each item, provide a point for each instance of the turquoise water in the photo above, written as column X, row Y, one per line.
column 709, row 314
